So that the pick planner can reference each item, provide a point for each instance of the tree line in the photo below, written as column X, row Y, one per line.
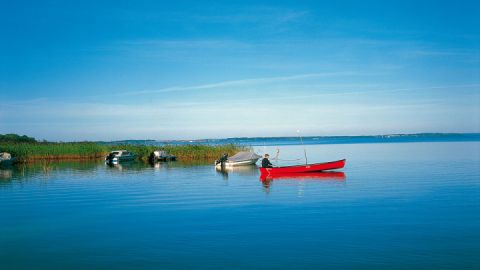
column 15, row 138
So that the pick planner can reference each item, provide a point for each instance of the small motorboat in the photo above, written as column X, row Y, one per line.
column 160, row 155
column 119, row 156
column 6, row 159
column 317, row 167
column 239, row 159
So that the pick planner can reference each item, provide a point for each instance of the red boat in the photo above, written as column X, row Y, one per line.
column 317, row 167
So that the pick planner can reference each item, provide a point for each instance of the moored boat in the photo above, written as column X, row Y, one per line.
column 119, row 156
column 6, row 159
column 317, row 167
column 161, row 155
column 239, row 159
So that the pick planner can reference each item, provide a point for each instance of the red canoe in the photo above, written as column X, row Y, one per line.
column 317, row 167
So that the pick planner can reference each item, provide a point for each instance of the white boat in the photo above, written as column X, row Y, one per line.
column 119, row 156
column 161, row 155
column 239, row 159
column 6, row 159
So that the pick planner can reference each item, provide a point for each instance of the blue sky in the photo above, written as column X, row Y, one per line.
column 108, row 70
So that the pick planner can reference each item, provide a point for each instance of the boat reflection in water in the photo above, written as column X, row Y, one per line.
column 239, row 170
column 312, row 176
column 127, row 166
column 6, row 174
column 117, row 165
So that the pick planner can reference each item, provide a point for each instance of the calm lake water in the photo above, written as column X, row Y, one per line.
column 398, row 206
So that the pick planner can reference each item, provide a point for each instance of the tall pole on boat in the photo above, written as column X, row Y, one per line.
column 304, row 149
column 276, row 157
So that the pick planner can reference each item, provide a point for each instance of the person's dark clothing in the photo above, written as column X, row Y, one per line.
column 266, row 163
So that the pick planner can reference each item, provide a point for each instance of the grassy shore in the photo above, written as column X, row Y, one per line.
column 29, row 152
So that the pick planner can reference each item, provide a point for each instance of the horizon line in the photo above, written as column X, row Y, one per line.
column 308, row 136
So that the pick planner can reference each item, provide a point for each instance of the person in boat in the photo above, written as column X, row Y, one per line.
column 266, row 163
column 222, row 160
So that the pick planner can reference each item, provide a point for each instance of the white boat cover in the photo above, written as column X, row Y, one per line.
column 242, row 156
column 160, row 153
column 5, row 156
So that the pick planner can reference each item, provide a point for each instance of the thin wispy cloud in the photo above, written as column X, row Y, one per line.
column 242, row 82
column 113, row 109
column 181, row 44
column 323, row 94
column 260, row 15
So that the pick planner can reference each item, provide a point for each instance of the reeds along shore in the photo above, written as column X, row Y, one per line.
column 29, row 152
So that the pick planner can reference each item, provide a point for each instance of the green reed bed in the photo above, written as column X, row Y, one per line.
column 45, row 151
column 202, row 151
column 26, row 152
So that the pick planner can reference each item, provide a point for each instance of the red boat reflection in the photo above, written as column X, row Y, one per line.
column 336, row 176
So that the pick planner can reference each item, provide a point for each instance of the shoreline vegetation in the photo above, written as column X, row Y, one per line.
column 27, row 149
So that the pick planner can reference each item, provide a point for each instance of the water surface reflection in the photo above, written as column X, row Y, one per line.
column 240, row 170
column 97, row 169
column 85, row 168
column 404, row 206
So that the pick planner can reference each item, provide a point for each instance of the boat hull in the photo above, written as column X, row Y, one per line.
column 321, row 175
column 7, row 162
column 237, row 163
column 124, row 158
column 120, row 159
column 317, row 167
column 166, row 158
